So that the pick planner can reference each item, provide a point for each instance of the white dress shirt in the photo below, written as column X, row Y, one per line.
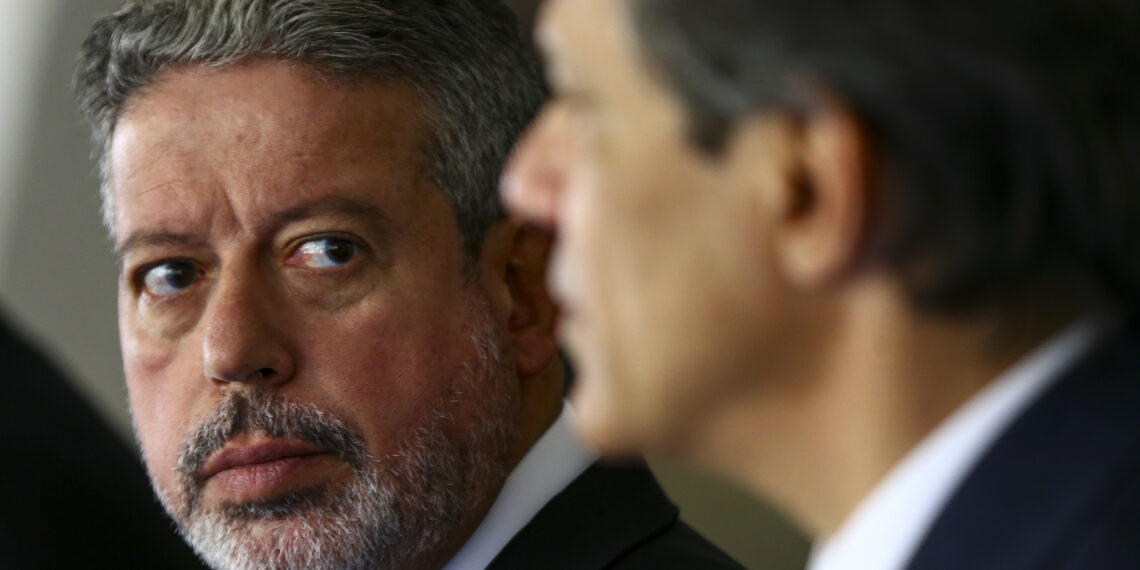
column 556, row 459
column 886, row 528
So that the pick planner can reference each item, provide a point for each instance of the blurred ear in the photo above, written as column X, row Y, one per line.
column 813, row 189
column 517, row 255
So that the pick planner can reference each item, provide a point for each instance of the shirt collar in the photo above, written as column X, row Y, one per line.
column 555, row 460
column 888, row 525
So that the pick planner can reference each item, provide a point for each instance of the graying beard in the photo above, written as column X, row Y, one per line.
column 395, row 511
column 290, row 504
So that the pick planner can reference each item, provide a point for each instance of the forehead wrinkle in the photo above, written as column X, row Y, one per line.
column 160, row 186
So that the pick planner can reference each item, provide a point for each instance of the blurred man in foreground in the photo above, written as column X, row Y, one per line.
column 876, row 260
column 338, row 353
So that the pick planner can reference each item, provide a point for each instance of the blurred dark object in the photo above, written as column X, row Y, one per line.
column 73, row 495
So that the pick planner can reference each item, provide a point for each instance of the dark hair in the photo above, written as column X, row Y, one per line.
column 481, row 83
column 1009, row 130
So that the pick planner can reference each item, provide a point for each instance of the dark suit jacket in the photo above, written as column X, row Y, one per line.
column 610, row 517
column 1061, row 488
column 71, row 494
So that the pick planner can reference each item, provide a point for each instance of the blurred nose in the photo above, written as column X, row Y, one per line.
column 539, row 170
column 243, row 340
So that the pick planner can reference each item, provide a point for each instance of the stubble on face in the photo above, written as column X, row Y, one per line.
column 395, row 511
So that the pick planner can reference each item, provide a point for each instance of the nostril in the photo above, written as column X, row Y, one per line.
column 265, row 372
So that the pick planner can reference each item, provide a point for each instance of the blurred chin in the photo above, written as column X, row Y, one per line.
column 599, row 419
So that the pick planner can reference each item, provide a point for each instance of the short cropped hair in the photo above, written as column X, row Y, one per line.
column 1008, row 130
column 481, row 84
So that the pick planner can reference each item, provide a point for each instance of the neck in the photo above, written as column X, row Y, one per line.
column 880, row 381
column 540, row 403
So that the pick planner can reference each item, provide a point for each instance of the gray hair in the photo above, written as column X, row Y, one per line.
column 480, row 82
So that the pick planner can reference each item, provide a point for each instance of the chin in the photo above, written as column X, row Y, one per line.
column 600, row 422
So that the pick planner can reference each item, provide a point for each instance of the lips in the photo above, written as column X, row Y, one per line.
column 236, row 456
column 260, row 468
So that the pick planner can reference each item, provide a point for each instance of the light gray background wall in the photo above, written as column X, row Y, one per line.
column 57, row 276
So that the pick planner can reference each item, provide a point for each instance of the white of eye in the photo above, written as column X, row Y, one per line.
column 326, row 252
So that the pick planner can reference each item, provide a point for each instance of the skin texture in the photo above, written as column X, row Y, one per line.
column 238, row 179
column 723, row 308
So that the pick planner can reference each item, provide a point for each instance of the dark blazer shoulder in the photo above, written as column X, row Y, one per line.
column 610, row 517
column 1061, row 487
column 1112, row 540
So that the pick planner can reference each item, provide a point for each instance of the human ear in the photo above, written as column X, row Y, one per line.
column 519, row 264
column 816, row 205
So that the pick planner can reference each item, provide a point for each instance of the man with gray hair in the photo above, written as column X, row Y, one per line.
column 338, row 352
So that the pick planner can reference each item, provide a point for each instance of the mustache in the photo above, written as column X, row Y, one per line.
column 247, row 412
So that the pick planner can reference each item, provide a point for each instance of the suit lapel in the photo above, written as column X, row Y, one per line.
column 1050, row 473
column 601, row 515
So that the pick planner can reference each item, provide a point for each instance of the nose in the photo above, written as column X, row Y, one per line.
column 244, row 340
column 538, row 173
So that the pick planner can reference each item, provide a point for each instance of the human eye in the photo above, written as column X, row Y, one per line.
column 324, row 252
column 168, row 278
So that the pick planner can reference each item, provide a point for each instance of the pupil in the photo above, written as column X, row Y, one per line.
column 339, row 252
column 179, row 276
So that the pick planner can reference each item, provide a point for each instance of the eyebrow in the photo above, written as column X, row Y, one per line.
column 330, row 205
column 149, row 239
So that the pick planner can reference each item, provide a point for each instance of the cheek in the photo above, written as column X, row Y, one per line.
column 147, row 351
column 160, row 387
column 677, row 285
column 638, row 237
column 159, row 417
column 386, row 370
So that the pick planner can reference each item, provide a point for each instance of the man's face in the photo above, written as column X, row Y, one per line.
column 314, row 378
column 658, row 286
